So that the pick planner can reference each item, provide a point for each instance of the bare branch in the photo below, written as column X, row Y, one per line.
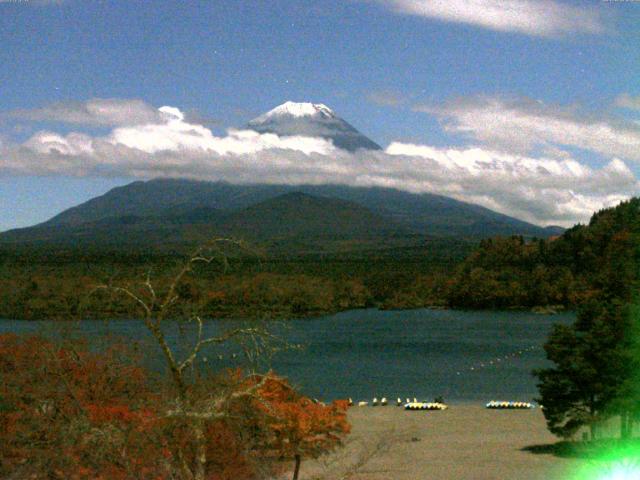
column 196, row 257
column 129, row 294
column 213, row 340
column 157, row 307
column 217, row 409
column 149, row 286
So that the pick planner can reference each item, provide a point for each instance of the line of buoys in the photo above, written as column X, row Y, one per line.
column 500, row 405
column 495, row 361
column 221, row 357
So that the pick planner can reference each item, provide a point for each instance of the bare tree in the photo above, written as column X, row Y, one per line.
column 158, row 312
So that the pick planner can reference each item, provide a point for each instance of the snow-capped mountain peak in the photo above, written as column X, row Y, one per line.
column 296, row 110
column 311, row 120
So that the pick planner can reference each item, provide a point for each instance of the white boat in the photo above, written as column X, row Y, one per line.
column 504, row 405
column 425, row 406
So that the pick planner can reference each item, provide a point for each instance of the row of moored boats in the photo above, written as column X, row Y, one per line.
column 494, row 404
column 414, row 404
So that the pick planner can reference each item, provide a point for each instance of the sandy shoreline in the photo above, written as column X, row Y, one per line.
column 463, row 442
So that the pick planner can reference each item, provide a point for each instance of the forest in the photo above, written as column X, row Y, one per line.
column 44, row 283
column 565, row 271
column 87, row 408
column 513, row 272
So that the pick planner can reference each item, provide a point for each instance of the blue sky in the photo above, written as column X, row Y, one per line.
column 404, row 72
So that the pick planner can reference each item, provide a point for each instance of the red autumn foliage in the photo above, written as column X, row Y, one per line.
column 69, row 413
column 299, row 425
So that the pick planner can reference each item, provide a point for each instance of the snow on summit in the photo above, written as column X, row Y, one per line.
column 311, row 120
column 296, row 109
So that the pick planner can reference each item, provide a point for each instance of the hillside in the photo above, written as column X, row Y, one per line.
column 185, row 210
column 298, row 214
column 393, row 270
column 289, row 216
column 565, row 271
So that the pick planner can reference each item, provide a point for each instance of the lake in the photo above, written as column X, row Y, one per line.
column 462, row 356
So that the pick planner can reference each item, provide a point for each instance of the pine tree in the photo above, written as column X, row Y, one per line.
column 596, row 372
column 587, row 377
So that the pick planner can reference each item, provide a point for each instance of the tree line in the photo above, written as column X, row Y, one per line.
column 58, row 285
column 567, row 271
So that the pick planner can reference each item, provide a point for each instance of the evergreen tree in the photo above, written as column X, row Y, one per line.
column 587, row 377
column 597, row 359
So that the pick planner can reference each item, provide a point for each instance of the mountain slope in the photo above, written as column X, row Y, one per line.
column 312, row 120
column 298, row 214
column 164, row 203
column 289, row 216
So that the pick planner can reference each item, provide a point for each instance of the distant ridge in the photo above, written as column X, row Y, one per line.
column 177, row 211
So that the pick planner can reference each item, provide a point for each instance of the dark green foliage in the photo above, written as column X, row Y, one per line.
column 509, row 272
column 564, row 271
column 588, row 370
column 597, row 359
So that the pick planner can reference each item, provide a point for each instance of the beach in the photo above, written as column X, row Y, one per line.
column 462, row 442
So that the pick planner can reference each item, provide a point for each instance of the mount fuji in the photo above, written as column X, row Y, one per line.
column 312, row 120
column 174, row 213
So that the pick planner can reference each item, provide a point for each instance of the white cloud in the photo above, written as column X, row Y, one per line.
column 543, row 18
column 624, row 100
column 49, row 142
column 541, row 190
column 94, row 112
column 179, row 136
column 522, row 125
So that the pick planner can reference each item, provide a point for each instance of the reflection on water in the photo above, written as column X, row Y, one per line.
column 462, row 356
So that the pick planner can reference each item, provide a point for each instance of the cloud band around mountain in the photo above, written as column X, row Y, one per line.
column 543, row 190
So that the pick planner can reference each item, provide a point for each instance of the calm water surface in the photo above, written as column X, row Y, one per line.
column 367, row 353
